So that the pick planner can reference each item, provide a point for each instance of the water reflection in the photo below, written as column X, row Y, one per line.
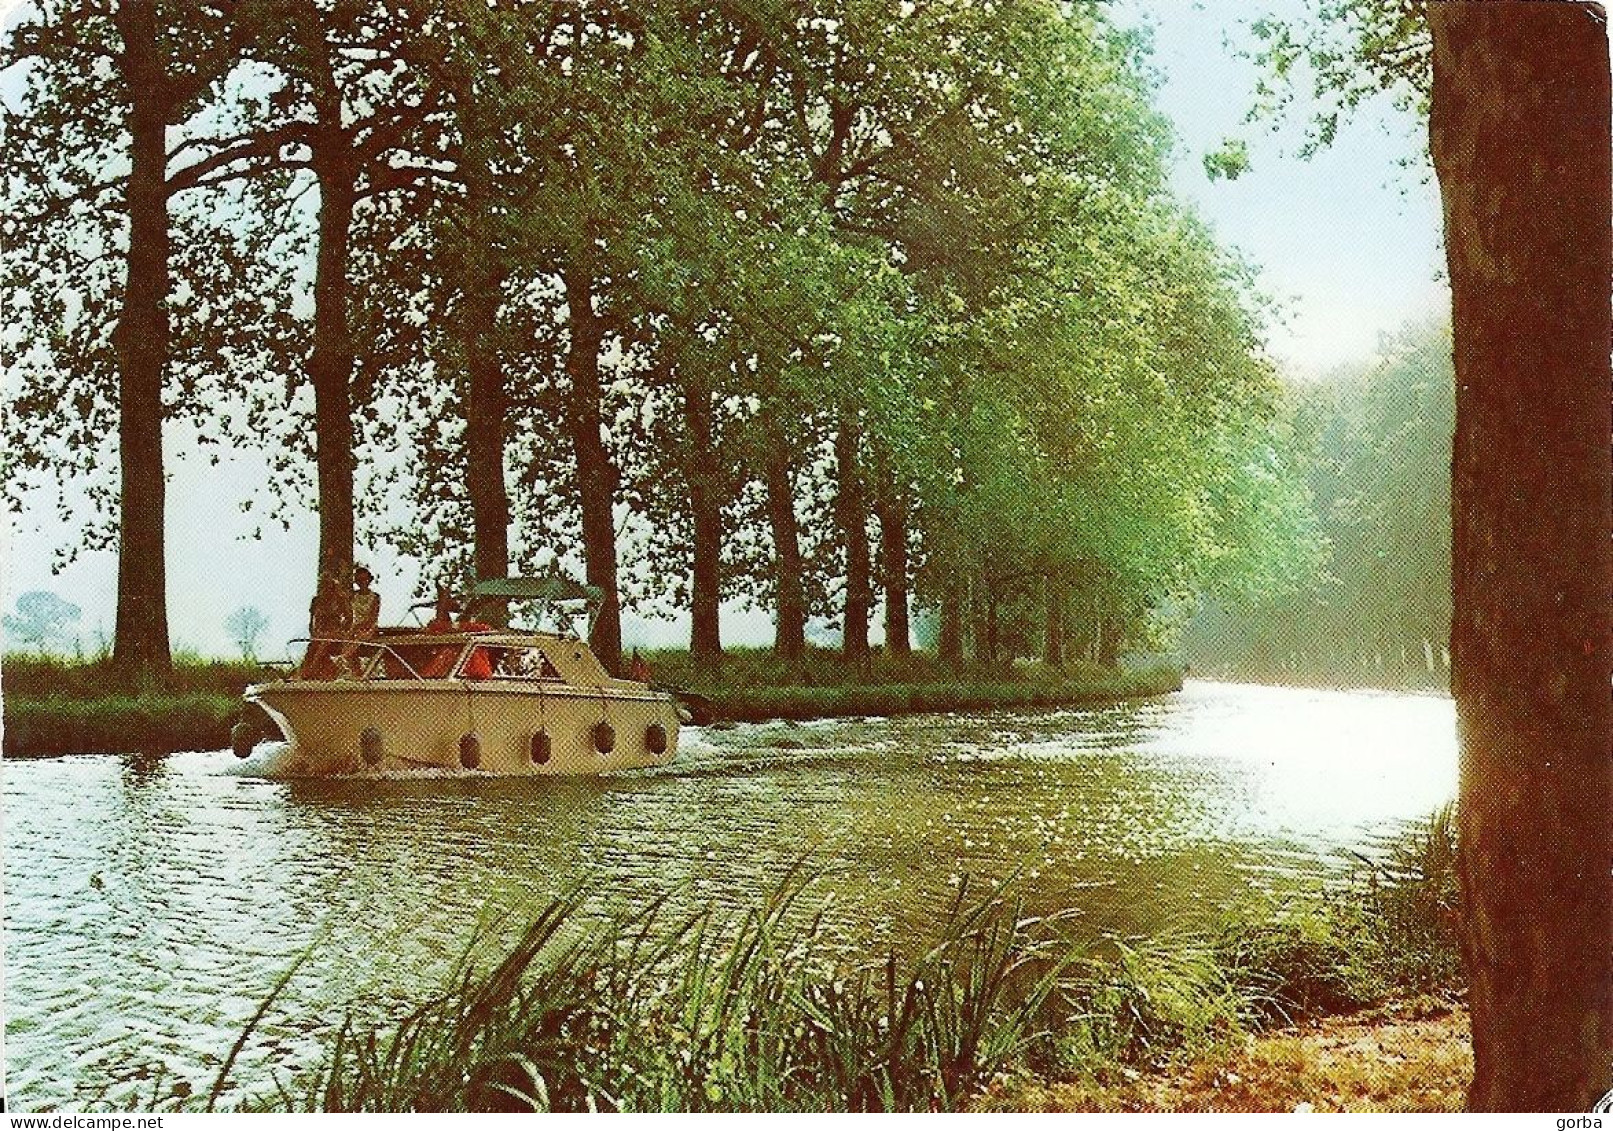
column 150, row 905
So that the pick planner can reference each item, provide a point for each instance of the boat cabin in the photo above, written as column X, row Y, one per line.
column 409, row 654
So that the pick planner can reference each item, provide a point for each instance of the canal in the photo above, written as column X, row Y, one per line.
column 151, row 904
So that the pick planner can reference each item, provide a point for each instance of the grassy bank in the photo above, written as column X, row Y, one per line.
column 58, row 706
column 751, row 684
column 995, row 1010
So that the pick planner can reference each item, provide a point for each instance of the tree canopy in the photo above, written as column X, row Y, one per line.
column 820, row 308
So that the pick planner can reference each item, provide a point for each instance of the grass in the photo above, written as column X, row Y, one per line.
column 56, row 705
column 702, row 1015
column 771, row 1013
column 29, row 675
column 59, row 705
column 752, row 684
column 153, row 723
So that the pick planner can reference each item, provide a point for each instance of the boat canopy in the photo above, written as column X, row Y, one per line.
column 555, row 590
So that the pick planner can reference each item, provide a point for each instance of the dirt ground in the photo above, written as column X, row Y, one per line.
column 1411, row 1056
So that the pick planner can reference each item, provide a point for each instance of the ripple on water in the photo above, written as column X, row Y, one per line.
column 150, row 906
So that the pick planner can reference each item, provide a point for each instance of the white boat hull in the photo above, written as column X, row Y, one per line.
column 357, row 726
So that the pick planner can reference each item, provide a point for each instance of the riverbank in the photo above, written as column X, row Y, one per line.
column 752, row 685
column 1412, row 1055
column 54, row 707
column 1407, row 681
column 1348, row 998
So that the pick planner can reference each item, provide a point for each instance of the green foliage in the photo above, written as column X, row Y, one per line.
column 766, row 1014
column 1146, row 1002
column 945, row 228
column 119, row 723
column 753, row 685
column 1375, row 445
column 1343, row 53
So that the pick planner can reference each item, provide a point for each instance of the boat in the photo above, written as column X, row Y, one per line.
column 477, row 698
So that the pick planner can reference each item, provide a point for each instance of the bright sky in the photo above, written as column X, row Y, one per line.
column 1347, row 242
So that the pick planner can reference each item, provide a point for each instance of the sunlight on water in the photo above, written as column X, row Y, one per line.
column 150, row 905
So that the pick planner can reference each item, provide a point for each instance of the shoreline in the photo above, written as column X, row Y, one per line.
column 1318, row 682
column 1407, row 1055
column 156, row 723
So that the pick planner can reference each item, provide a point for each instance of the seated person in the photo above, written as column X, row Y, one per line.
column 442, row 616
column 329, row 616
column 480, row 663
column 441, row 663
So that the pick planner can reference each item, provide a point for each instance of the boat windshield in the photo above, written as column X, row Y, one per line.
column 427, row 661
column 497, row 661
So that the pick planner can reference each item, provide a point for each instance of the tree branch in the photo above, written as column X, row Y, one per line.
column 263, row 146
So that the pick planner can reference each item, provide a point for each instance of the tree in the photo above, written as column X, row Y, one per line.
column 42, row 619
column 1519, row 98
column 127, row 66
column 245, row 626
column 1520, row 134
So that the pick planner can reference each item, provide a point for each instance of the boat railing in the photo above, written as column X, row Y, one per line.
column 361, row 642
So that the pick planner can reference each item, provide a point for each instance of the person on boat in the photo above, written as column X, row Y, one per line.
column 366, row 606
column 480, row 663
column 440, row 664
column 639, row 671
column 329, row 616
column 364, row 618
column 442, row 615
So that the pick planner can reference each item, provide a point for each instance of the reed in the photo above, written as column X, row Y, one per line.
column 656, row 1012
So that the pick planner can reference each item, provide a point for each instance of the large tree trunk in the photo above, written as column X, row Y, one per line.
column 705, row 506
column 141, row 341
column 789, row 639
column 852, row 508
column 596, row 474
column 892, row 512
column 331, row 365
column 1520, row 138
column 486, row 402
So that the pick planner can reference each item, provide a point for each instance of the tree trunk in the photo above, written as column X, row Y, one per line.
column 789, row 637
column 950, row 645
column 331, row 365
column 852, row 508
column 596, row 474
column 141, row 342
column 892, row 512
column 486, row 402
column 993, row 630
column 1053, row 645
column 1520, row 138
column 705, row 505
column 980, row 605
column 1108, row 639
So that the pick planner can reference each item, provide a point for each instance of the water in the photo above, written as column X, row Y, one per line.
column 150, row 906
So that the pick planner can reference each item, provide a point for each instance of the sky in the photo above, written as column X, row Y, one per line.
column 1346, row 242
